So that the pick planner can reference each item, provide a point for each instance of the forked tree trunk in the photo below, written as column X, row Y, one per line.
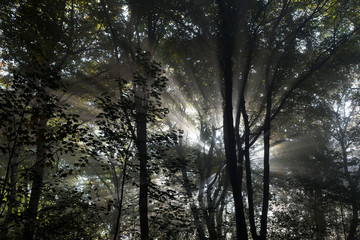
column 235, row 172
column 229, row 19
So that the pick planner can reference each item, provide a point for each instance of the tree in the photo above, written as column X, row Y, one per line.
column 280, row 43
column 37, row 39
column 345, row 125
column 258, row 94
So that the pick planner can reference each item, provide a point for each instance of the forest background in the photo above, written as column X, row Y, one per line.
column 179, row 119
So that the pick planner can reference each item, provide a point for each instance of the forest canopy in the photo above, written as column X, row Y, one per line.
column 179, row 119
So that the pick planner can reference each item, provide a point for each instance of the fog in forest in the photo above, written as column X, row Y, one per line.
column 179, row 119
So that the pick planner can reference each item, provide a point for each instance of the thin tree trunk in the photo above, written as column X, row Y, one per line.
column 118, row 217
column 249, row 185
column 320, row 223
column 201, row 168
column 353, row 186
column 220, row 211
column 187, row 186
column 139, row 137
column 235, row 172
column 266, row 178
column 141, row 125
column 143, row 158
column 37, row 182
column 12, row 154
column 241, row 111
column 230, row 15
column 210, row 216
column 12, row 201
column 354, row 221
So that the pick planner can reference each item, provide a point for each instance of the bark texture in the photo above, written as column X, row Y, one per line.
column 37, row 181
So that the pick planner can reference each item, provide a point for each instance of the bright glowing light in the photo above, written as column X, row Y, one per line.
column 125, row 12
column 191, row 135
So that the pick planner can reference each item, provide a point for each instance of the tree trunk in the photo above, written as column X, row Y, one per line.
column 219, row 214
column 353, row 186
column 141, row 125
column 319, row 216
column 211, row 193
column 120, row 201
column 143, row 158
column 12, row 201
column 37, row 181
column 188, row 190
column 246, row 154
column 354, row 221
column 235, row 172
column 230, row 15
column 266, row 179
